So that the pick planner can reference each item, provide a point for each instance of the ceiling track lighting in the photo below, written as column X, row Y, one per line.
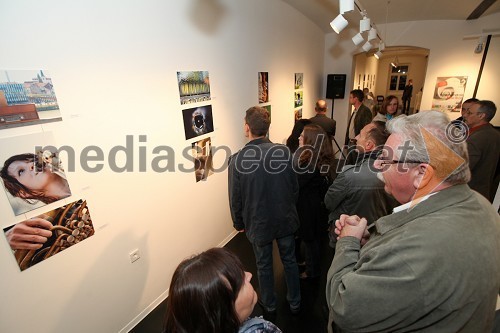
column 364, row 23
column 358, row 39
column 395, row 62
column 339, row 23
column 378, row 55
column 367, row 46
column 346, row 6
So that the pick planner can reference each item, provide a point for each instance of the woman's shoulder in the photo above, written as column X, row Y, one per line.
column 258, row 325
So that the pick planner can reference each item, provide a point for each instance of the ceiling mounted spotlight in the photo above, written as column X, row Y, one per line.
column 364, row 24
column 367, row 46
column 377, row 55
column 395, row 62
column 339, row 23
column 346, row 6
column 358, row 39
column 372, row 34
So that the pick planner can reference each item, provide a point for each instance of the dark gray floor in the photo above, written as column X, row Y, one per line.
column 313, row 317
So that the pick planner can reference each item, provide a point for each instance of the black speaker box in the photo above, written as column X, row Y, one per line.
column 335, row 86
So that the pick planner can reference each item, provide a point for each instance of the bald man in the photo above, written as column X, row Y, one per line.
column 322, row 120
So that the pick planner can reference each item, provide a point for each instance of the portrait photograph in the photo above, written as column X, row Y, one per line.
column 198, row 121
column 202, row 153
column 32, row 174
column 55, row 231
column 263, row 87
column 27, row 97
column 298, row 114
column 194, row 86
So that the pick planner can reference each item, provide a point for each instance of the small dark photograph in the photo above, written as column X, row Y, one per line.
column 198, row 121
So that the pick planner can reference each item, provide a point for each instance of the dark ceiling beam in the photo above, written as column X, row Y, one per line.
column 483, row 6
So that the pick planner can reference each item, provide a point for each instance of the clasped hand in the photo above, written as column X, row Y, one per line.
column 352, row 226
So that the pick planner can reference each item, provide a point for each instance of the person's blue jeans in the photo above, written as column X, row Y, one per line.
column 264, row 261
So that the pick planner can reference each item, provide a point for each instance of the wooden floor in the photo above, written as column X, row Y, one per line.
column 314, row 315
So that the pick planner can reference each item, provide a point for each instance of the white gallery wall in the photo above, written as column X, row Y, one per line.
column 450, row 55
column 114, row 66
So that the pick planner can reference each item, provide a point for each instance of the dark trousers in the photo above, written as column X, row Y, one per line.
column 406, row 106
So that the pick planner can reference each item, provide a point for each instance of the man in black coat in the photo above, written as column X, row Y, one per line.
column 329, row 125
column 263, row 190
column 407, row 97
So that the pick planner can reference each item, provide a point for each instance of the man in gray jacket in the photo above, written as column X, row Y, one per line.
column 433, row 264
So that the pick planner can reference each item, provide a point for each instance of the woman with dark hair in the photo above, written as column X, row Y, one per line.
column 314, row 162
column 24, row 177
column 33, row 178
column 388, row 109
column 212, row 293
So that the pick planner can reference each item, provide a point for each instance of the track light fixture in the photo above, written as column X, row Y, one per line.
column 339, row 23
column 358, row 39
column 367, row 46
column 372, row 34
column 346, row 6
column 378, row 55
column 365, row 23
column 395, row 62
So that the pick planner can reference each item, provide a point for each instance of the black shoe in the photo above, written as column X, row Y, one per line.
column 267, row 312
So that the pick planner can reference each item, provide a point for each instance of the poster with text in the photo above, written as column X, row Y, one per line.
column 202, row 153
column 299, row 80
column 32, row 172
column 263, row 87
column 27, row 97
column 198, row 121
column 449, row 93
column 194, row 86
column 43, row 236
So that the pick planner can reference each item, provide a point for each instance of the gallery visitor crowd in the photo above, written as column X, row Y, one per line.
column 407, row 208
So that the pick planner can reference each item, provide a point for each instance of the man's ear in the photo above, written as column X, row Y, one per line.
column 424, row 174
column 369, row 145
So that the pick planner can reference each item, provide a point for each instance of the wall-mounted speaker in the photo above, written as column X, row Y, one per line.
column 335, row 86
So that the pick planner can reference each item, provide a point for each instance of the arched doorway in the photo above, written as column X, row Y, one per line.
column 383, row 79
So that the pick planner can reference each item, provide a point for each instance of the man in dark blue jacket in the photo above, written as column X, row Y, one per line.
column 263, row 190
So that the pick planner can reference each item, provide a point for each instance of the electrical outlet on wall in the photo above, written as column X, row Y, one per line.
column 134, row 255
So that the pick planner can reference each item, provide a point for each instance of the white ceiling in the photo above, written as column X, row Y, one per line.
column 324, row 11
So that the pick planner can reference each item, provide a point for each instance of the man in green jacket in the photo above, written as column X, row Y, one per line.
column 433, row 265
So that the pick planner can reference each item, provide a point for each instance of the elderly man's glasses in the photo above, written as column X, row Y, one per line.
column 381, row 161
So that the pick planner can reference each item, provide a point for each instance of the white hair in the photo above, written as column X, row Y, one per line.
column 437, row 123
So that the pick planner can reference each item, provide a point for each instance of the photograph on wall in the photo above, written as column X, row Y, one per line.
column 202, row 153
column 198, row 121
column 32, row 172
column 449, row 93
column 27, row 97
column 299, row 99
column 194, row 86
column 268, row 108
column 298, row 114
column 58, row 230
column 263, row 87
column 299, row 80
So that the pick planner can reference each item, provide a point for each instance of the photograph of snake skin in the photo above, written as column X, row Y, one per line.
column 32, row 176
column 46, row 235
column 202, row 153
column 194, row 86
column 198, row 121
